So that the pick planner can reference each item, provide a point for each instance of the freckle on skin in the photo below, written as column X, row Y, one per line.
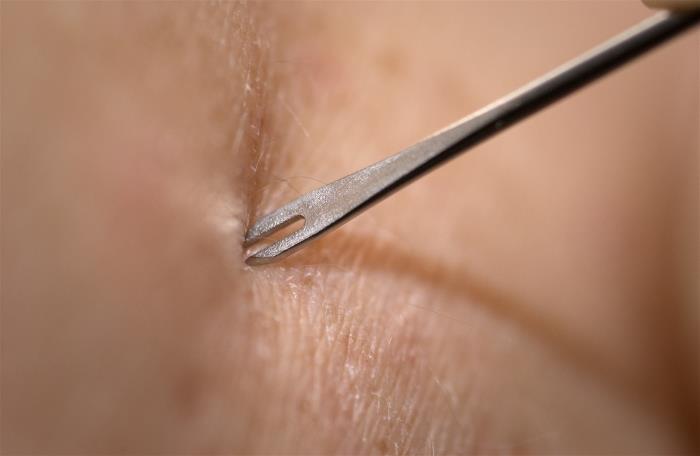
column 390, row 62
column 382, row 446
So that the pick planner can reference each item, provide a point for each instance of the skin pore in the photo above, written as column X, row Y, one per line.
column 534, row 296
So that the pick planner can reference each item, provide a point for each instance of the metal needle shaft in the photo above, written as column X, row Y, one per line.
column 330, row 206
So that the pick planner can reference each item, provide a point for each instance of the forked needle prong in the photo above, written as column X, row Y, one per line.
column 330, row 206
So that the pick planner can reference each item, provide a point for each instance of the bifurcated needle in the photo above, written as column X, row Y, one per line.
column 330, row 206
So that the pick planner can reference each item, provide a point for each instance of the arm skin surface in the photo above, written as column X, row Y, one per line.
column 535, row 296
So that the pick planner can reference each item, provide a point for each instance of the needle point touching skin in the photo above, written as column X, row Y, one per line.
column 333, row 204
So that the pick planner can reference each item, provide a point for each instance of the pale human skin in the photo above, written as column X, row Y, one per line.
column 534, row 296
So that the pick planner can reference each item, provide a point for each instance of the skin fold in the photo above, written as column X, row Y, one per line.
column 535, row 296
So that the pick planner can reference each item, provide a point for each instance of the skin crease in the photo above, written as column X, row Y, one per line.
column 535, row 296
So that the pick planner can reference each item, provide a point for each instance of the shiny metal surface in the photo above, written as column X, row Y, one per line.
column 330, row 206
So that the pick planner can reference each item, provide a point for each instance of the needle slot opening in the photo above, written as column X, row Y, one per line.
column 281, row 231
